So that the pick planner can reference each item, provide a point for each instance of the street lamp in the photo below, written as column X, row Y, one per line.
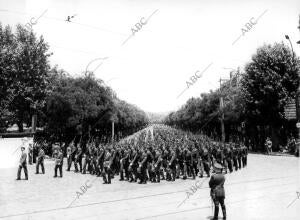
column 288, row 38
column 297, row 100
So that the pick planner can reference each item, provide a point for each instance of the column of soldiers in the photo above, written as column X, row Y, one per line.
column 170, row 155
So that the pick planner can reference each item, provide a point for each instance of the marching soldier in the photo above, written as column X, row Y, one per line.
column 107, row 166
column 124, row 164
column 187, row 159
column 100, row 161
column 23, row 164
column 239, row 156
column 78, row 160
column 244, row 155
column 157, row 165
column 217, row 191
column 142, row 167
column 40, row 161
column 172, row 166
column 229, row 157
column 86, row 161
column 235, row 157
column 200, row 164
column 133, row 166
column 195, row 162
column 206, row 161
column 71, row 156
column 58, row 162
column 95, row 153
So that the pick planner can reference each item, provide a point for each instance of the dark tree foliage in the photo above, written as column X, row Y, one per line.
column 24, row 68
column 253, row 101
column 83, row 108
column 67, row 108
column 270, row 80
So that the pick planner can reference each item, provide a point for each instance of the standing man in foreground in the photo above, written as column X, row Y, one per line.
column 217, row 191
column 23, row 164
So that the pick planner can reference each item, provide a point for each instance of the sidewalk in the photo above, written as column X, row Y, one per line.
column 274, row 154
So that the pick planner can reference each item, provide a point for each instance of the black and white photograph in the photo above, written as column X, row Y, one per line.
column 149, row 109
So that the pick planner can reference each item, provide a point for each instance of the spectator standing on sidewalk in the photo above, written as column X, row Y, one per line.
column 23, row 164
column 30, row 154
column 268, row 145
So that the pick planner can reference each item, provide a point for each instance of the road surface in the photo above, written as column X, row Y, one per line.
column 265, row 189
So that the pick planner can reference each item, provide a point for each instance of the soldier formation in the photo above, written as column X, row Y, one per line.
column 159, row 153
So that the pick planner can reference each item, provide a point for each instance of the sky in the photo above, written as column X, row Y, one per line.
column 173, row 41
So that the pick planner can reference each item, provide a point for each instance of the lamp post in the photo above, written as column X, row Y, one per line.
column 297, row 100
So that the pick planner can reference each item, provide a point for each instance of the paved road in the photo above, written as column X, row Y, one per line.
column 263, row 190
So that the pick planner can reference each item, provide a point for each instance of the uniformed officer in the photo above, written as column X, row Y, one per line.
column 40, row 161
column 217, row 191
column 23, row 164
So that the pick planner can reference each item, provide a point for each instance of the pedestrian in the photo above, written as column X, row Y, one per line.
column 268, row 145
column 40, row 161
column 217, row 191
column 23, row 164
column 30, row 154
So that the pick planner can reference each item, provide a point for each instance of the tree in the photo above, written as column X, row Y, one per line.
column 24, row 69
column 270, row 80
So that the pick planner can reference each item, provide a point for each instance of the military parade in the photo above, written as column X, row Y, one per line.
column 141, row 110
column 163, row 153
column 153, row 154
